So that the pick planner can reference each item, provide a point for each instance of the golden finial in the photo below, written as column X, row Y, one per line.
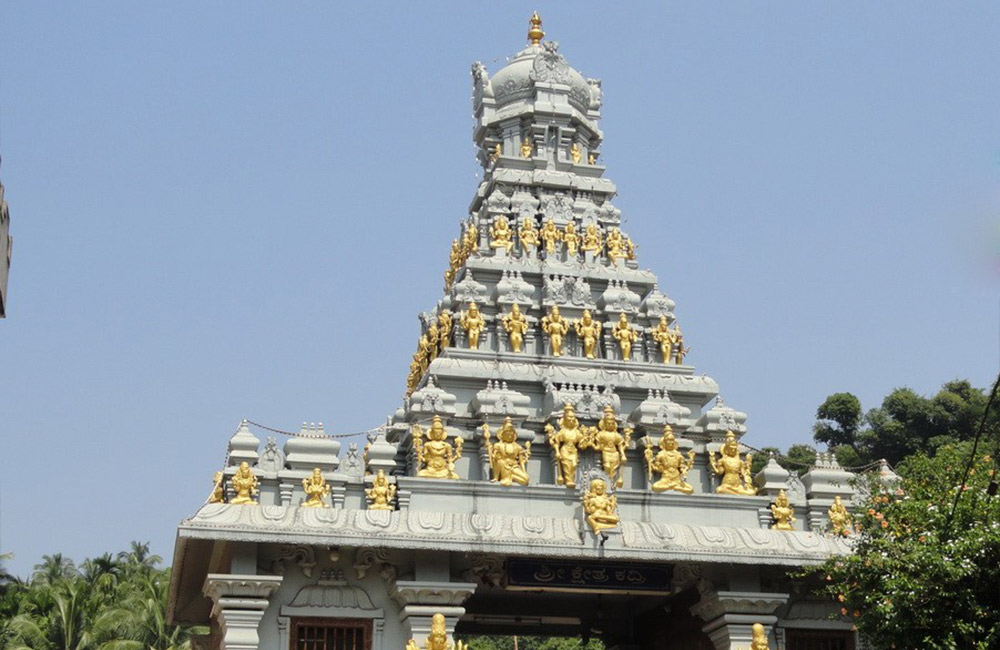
column 535, row 34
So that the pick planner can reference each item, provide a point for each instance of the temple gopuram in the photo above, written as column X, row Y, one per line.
column 556, row 467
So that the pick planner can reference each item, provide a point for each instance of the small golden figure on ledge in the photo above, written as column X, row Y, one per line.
column 244, row 484
column 592, row 159
column 508, row 459
column 433, row 337
column 592, row 239
column 840, row 518
column 781, row 510
column 679, row 349
column 218, row 494
column 473, row 323
column 316, row 489
column 566, row 444
column 575, row 154
column 424, row 352
column 496, row 153
column 735, row 472
column 381, row 493
column 436, row 457
column 444, row 329
column 615, row 245
column 529, row 235
column 470, row 243
column 629, row 248
column 438, row 638
column 759, row 641
column 626, row 335
column 601, row 508
column 571, row 239
column 501, row 234
column 515, row 324
column 606, row 439
column 669, row 463
column 557, row 328
column 588, row 331
column 664, row 336
column 550, row 235
column 526, row 148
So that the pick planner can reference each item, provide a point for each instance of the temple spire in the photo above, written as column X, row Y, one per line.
column 535, row 34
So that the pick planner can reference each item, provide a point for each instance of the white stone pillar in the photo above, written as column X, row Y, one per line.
column 729, row 616
column 421, row 600
column 239, row 602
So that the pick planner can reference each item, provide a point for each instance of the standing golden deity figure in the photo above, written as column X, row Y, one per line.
column 588, row 331
column 508, row 459
column 433, row 337
column 444, row 329
column 470, row 242
column 527, row 149
column 679, row 349
column 759, row 640
column 423, row 352
column 601, row 508
column 571, row 239
column 550, row 235
column 496, row 153
column 592, row 159
column 218, row 494
column 781, row 510
column 436, row 457
column 734, row 471
column 455, row 259
column 529, row 235
column 244, row 484
column 501, row 234
column 575, row 154
column 413, row 378
column 669, row 463
column 615, row 245
column 566, row 443
column 626, row 335
column 557, row 328
column 515, row 324
column 840, row 518
column 664, row 336
column 592, row 238
column 438, row 638
column 316, row 489
column 629, row 248
column 473, row 323
column 606, row 439
column 381, row 494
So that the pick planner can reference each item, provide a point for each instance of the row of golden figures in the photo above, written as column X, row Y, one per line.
column 616, row 246
column 527, row 150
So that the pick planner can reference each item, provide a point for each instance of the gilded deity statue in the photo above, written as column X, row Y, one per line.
column 218, row 494
column 244, row 484
column 759, row 638
column 438, row 638
column 592, row 159
column 496, row 153
column 515, row 324
column 436, row 457
column 550, row 235
column 501, row 234
column 588, row 331
column 526, row 148
column 316, row 489
column 566, row 443
column 611, row 444
column 629, row 248
column 840, row 518
column 423, row 352
column 557, row 328
column 601, row 508
column 783, row 513
column 592, row 239
column 734, row 471
column 615, row 245
column 455, row 260
column 433, row 338
column 664, row 336
column 508, row 459
column 413, row 378
column 669, row 463
column 572, row 239
column 529, row 235
column 575, row 154
column 473, row 323
column 679, row 349
column 470, row 241
column 626, row 335
column 444, row 329
column 381, row 494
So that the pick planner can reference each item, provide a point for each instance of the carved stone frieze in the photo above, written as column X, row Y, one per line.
column 558, row 207
column 656, row 304
column 333, row 591
column 588, row 400
column 272, row 459
column 658, row 409
column 721, row 418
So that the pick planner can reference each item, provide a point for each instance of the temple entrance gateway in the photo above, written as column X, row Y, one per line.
column 556, row 467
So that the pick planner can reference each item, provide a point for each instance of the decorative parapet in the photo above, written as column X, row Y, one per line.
column 512, row 288
column 311, row 449
column 719, row 419
column 587, row 400
column 827, row 479
column 430, row 400
column 657, row 304
column 468, row 290
column 772, row 479
column 499, row 400
column 618, row 298
column 658, row 409
column 563, row 290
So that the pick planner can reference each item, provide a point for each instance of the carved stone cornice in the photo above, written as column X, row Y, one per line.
column 421, row 592
column 230, row 591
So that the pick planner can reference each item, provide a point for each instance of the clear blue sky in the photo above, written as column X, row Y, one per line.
column 228, row 210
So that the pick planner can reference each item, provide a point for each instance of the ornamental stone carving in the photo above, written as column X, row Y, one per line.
column 468, row 290
column 499, row 400
column 513, row 288
column 587, row 400
column 558, row 207
column 272, row 459
column 431, row 400
column 721, row 418
column 619, row 298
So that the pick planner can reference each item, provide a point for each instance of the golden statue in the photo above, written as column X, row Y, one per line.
column 665, row 337
column 456, row 257
column 629, row 248
column 526, row 148
column 550, row 235
column 566, row 444
column 759, row 641
column 615, row 245
column 501, row 234
column 496, row 153
column 433, row 337
column 735, row 472
column 316, row 489
column 470, row 242
column 556, row 327
column 592, row 159
column 679, row 349
column 515, row 324
column 508, row 459
column 528, row 234
column 840, row 518
column 444, row 329
column 244, row 484
column 781, row 510
column 218, row 494
column 571, row 238
column 626, row 335
column 535, row 34
column 473, row 323
column 588, row 331
column 592, row 239
column 423, row 352
column 611, row 444
column 438, row 638
column 669, row 463
column 436, row 457
column 381, row 493
column 601, row 508
column 413, row 378
column 575, row 153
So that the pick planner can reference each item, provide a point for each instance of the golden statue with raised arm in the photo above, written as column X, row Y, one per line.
column 501, row 234
column 665, row 338
column 444, row 329
column 611, row 444
column 550, row 235
column 244, row 484
column 473, row 323
column 734, row 471
column 588, row 331
column 575, row 154
column 571, row 238
column 557, row 328
column 566, row 443
column 508, row 459
column 528, row 234
column 592, row 239
column 783, row 513
column 615, row 245
column 679, row 349
column 601, row 508
column 626, row 335
column 218, row 494
column 515, row 324
column 381, row 493
column 669, row 463
column 316, row 489
column 527, row 149
column 438, row 638
column 436, row 457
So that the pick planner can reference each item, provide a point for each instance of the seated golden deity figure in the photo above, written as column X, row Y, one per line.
column 781, row 510
column 529, row 235
column 438, row 638
column 501, row 234
column 316, row 489
column 381, row 494
column 575, row 154
column 473, row 323
column 527, row 149
column 734, row 471
column 626, row 335
column 550, row 235
column 571, row 239
column 606, row 439
column 218, row 494
column 515, row 324
column 601, row 508
column 840, row 518
column 759, row 640
column 436, row 457
column 592, row 239
column 665, row 338
column 444, row 329
column 615, row 245
column 244, row 484
column 566, row 443
column 588, row 331
column 508, row 459
column 557, row 328
column 669, row 463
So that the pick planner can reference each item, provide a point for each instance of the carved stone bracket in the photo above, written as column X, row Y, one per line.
column 304, row 556
column 729, row 615
column 421, row 599
column 368, row 558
